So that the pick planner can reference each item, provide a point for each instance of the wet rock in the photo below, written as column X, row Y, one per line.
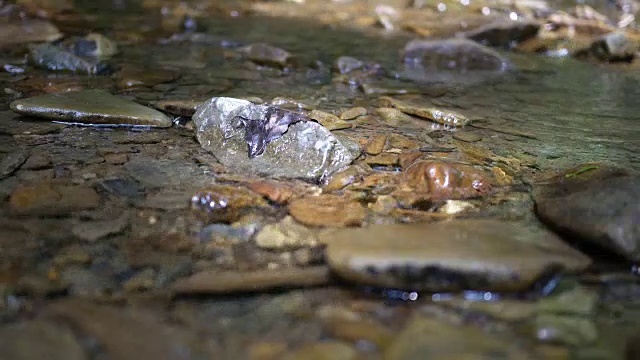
column 504, row 33
column 82, row 281
column 353, row 113
column 330, row 121
column 95, row 45
column 39, row 339
column 130, row 77
column 278, row 191
column 37, row 161
column 327, row 210
column 11, row 162
column 568, row 330
column 580, row 301
column 376, row 145
column 462, row 254
column 157, row 173
column 216, row 282
column 224, row 202
column 444, row 117
column 90, row 107
column 348, row 176
column 49, row 199
column 55, row 58
column 351, row 326
column 328, row 350
column 132, row 333
column 307, row 150
column 384, row 159
column 346, row 64
column 94, row 230
column 185, row 107
column 446, row 180
column 615, row 46
column 265, row 54
column 393, row 116
column 116, row 159
column 467, row 136
column 451, row 61
column 286, row 234
column 425, row 338
column 594, row 205
column 31, row 30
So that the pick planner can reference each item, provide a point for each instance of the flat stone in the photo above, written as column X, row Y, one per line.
column 450, row 256
column 328, row 350
column 90, row 107
column 32, row 30
column 186, row 107
column 216, row 282
column 504, row 33
column 49, row 199
column 426, row 338
column 131, row 333
column 327, row 210
column 328, row 120
column 376, row 145
column 307, row 150
column 39, row 339
column 95, row 230
column 353, row 113
column 595, row 206
column 11, row 162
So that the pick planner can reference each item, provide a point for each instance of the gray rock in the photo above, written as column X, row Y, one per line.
column 95, row 230
column 306, row 150
column 504, row 33
column 483, row 255
column 28, row 30
column 614, row 46
column 11, row 162
column 39, row 339
column 600, row 211
column 451, row 61
column 55, row 58
column 90, row 107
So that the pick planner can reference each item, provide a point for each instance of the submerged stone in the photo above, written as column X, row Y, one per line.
column 451, row 61
column 90, row 107
column 504, row 33
column 596, row 206
column 265, row 54
column 282, row 143
column 482, row 255
column 28, row 31
column 55, row 58
column 614, row 46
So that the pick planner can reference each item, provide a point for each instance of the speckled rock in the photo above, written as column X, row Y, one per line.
column 307, row 150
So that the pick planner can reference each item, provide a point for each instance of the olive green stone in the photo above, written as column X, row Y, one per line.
column 90, row 107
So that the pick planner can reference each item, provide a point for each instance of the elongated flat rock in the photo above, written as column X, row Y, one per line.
column 90, row 107
column 485, row 255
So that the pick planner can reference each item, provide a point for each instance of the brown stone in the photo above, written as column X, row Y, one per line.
column 327, row 210
column 328, row 120
column 353, row 113
column 49, row 199
column 446, row 180
column 385, row 159
column 376, row 145
column 116, row 159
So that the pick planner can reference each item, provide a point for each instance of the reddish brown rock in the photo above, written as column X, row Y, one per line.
column 327, row 210
column 225, row 203
column 446, row 180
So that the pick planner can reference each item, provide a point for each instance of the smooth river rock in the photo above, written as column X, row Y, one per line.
column 90, row 107
column 484, row 255
column 595, row 206
column 306, row 150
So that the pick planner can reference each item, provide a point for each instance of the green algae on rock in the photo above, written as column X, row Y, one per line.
column 485, row 255
column 90, row 107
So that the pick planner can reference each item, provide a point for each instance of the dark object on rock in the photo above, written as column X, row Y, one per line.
column 258, row 132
